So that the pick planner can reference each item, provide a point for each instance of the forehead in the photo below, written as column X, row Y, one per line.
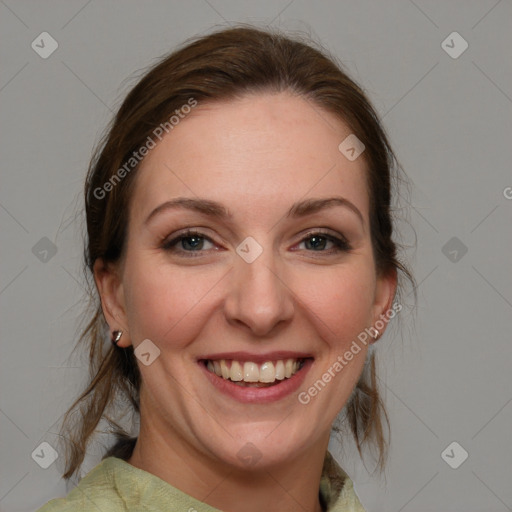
column 256, row 154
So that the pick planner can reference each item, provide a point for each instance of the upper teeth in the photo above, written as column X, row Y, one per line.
column 269, row 371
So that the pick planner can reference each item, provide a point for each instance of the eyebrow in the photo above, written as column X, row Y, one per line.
column 204, row 206
column 311, row 206
column 214, row 209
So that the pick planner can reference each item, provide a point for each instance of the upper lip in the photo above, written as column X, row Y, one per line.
column 257, row 358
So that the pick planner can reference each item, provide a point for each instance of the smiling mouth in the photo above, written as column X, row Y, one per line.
column 251, row 374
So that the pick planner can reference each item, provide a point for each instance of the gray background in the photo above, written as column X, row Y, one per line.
column 447, row 378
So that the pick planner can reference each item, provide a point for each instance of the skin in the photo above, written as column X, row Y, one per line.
column 257, row 156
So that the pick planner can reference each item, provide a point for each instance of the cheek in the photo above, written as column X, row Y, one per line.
column 339, row 310
column 165, row 304
column 340, row 301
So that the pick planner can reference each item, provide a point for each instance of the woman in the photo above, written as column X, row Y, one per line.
column 240, row 238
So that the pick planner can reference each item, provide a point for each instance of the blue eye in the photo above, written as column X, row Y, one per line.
column 189, row 242
column 321, row 242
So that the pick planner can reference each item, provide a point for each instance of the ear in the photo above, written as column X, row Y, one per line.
column 111, row 293
column 384, row 294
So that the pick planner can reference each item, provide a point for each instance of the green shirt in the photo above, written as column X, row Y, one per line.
column 114, row 485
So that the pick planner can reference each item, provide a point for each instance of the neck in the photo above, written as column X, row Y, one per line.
column 290, row 486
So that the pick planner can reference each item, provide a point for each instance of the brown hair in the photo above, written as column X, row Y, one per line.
column 217, row 67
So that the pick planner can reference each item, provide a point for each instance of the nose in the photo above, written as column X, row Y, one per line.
column 258, row 299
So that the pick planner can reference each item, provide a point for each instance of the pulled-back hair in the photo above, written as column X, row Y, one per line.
column 218, row 67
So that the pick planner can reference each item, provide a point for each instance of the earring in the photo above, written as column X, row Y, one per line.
column 116, row 336
column 377, row 334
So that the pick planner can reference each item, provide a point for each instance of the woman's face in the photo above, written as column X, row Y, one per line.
column 248, row 254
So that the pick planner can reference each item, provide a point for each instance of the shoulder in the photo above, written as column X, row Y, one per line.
column 96, row 491
column 114, row 485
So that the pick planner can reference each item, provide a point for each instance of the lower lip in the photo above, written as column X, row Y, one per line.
column 259, row 395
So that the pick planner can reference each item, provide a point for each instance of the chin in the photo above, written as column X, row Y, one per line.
column 264, row 445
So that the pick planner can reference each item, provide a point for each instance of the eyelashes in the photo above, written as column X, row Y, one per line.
column 318, row 240
column 192, row 242
column 195, row 244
